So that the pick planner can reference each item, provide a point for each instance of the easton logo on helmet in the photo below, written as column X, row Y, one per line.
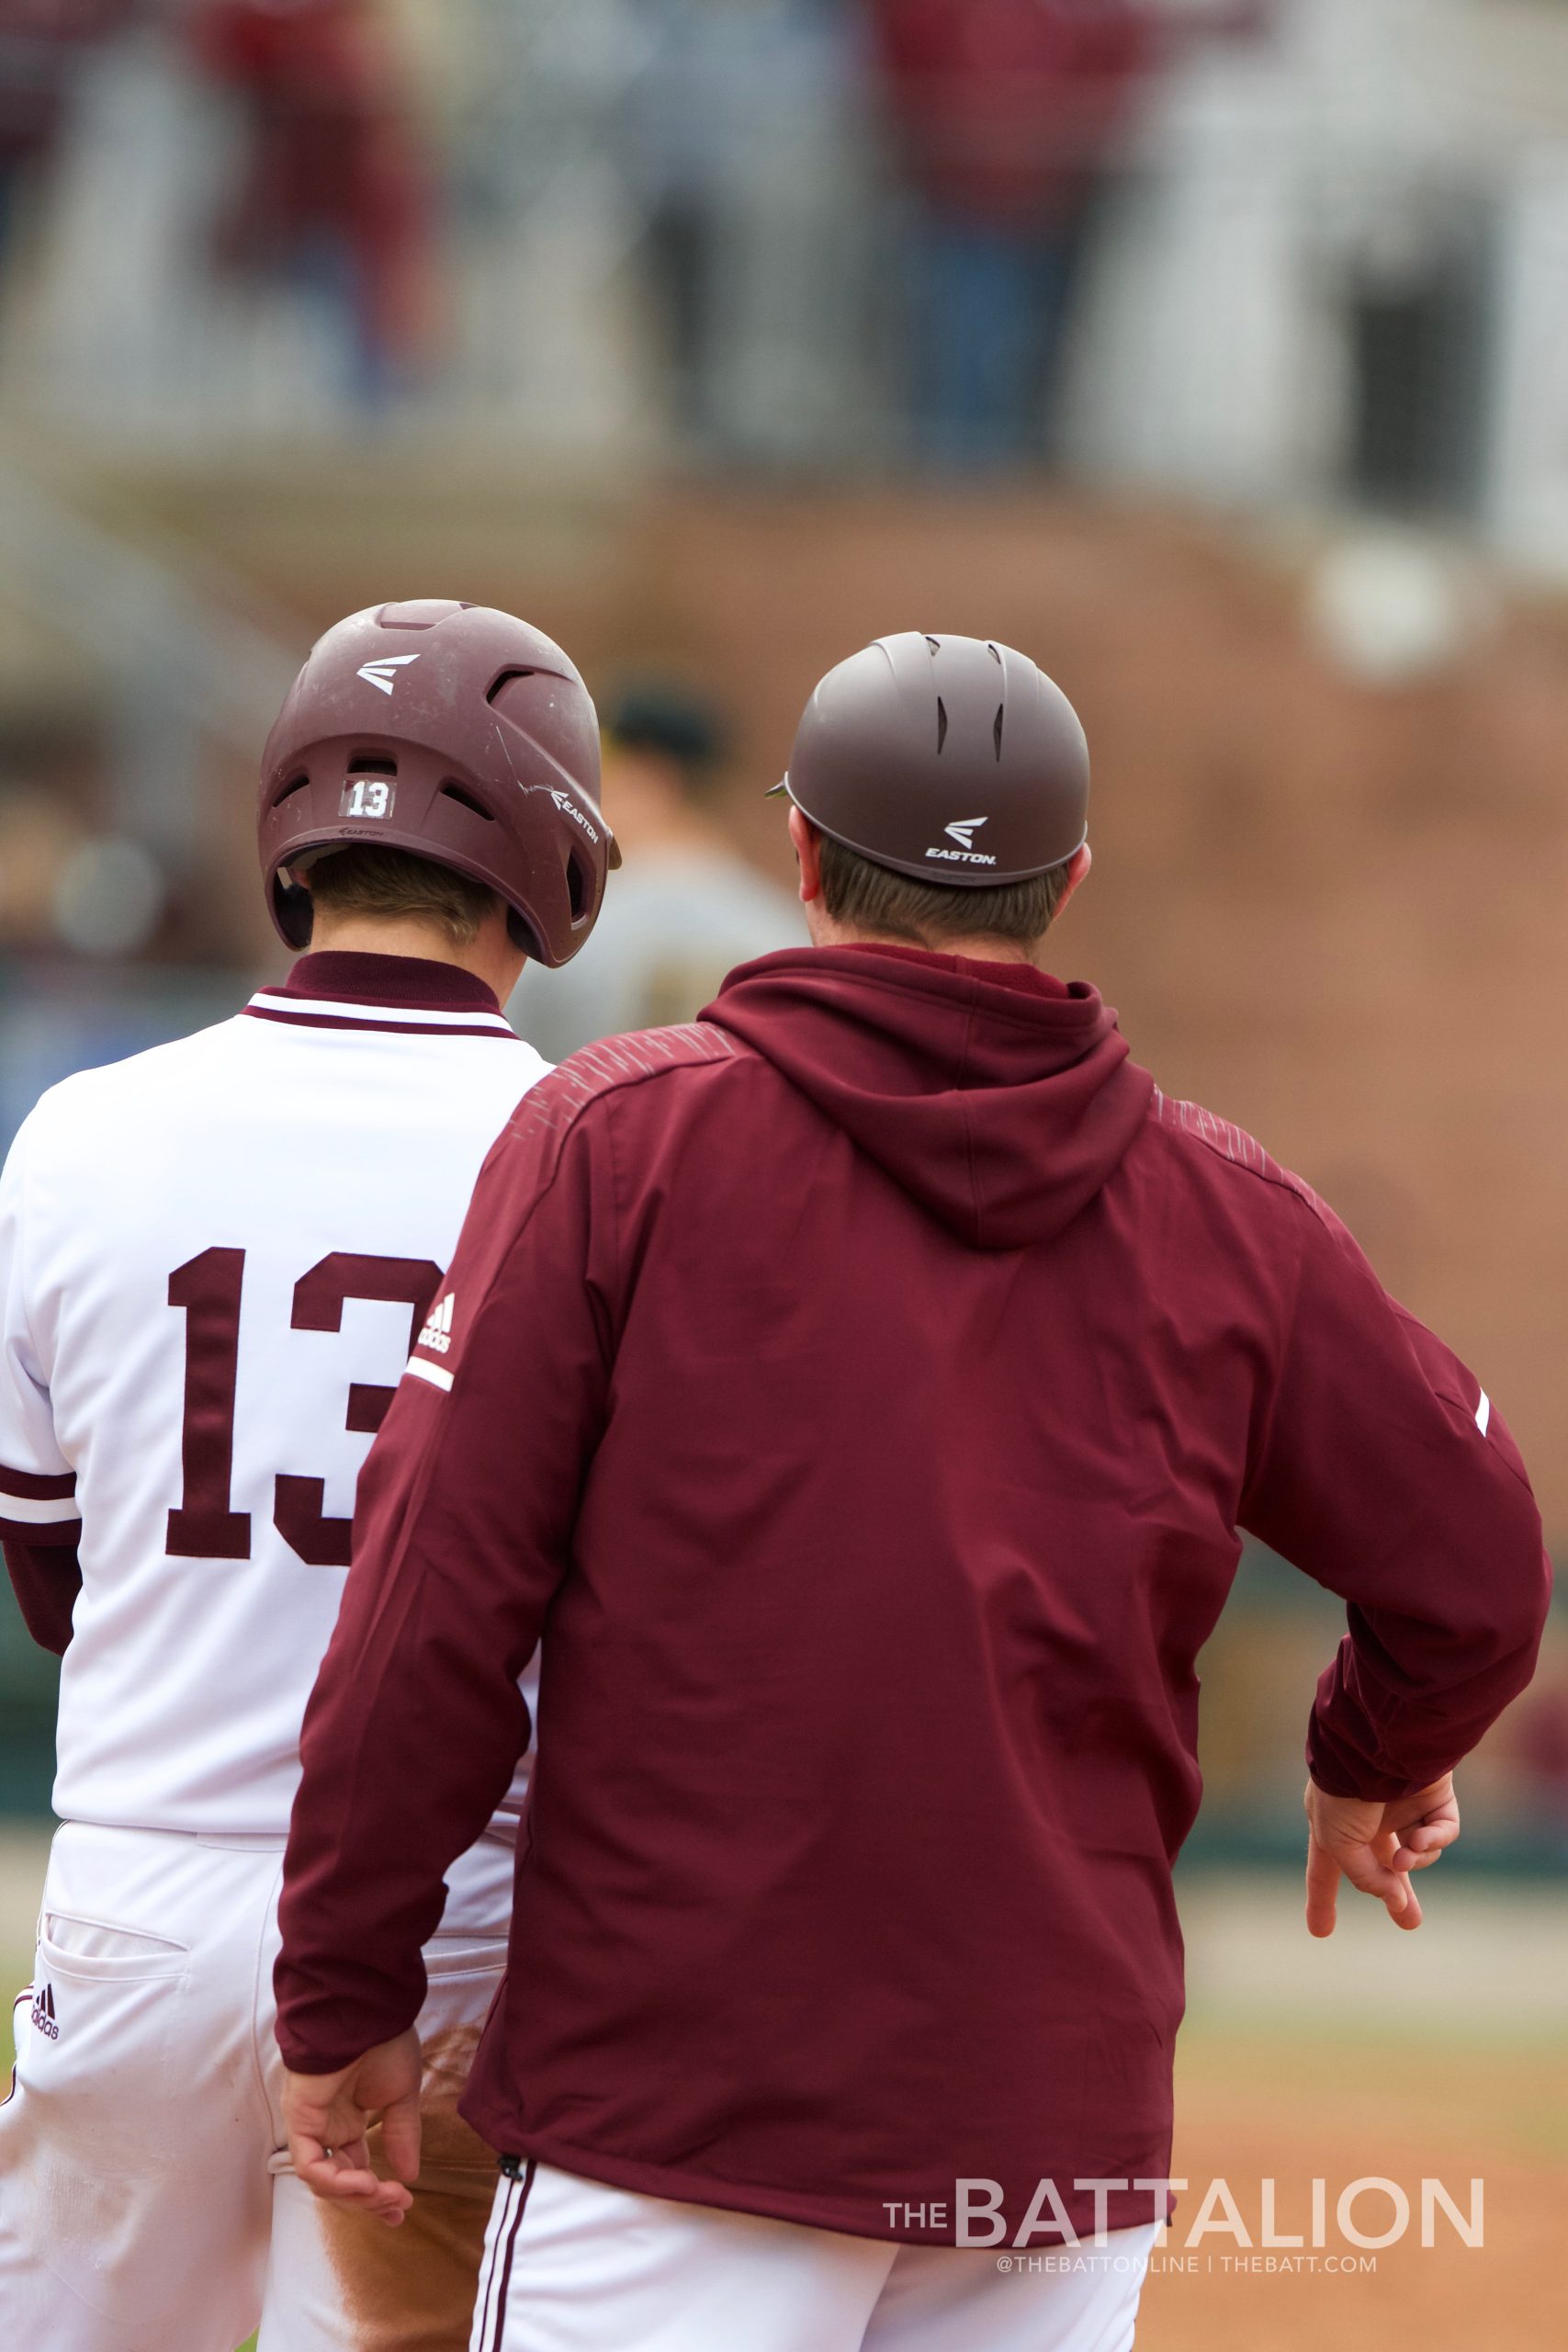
column 960, row 858
column 570, row 809
column 384, row 672
column 963, row 828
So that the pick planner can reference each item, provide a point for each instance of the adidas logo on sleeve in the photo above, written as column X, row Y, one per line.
column 437, row 1335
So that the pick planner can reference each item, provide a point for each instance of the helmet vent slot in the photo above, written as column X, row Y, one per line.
column 941, row 723
column 296, row 784
column 995, row 653
column 1001, row 715
column 578, row 885
column 372, row 763
column 466, row 800
column 506, row 679
column 935, row 644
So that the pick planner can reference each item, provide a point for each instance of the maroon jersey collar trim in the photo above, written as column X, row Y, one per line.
column 413, row 983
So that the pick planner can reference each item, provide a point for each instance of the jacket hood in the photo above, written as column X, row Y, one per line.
column 999, row 1100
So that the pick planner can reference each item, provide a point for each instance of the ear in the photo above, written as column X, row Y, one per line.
column 806, row 837
column 1078, row 871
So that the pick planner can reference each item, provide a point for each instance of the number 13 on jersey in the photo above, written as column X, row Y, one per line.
column 209, row 1289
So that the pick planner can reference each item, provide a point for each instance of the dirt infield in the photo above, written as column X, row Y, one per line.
column 1256, row 2106
column 1374, row 2056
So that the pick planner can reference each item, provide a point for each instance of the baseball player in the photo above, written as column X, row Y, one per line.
column 213, row 1259
column 868, row 1382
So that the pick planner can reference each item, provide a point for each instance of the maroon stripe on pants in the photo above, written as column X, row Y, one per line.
column 483, row 2327
column 499, row 2337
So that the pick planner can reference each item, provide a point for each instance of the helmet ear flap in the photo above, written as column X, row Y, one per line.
column 521, row 936
column 296, row 911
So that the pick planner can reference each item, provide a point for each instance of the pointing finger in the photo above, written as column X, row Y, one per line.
column 1321, row 1890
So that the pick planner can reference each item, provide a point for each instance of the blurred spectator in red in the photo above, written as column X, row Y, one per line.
column 1008, row 116
column 42, row 43
column 336, row 185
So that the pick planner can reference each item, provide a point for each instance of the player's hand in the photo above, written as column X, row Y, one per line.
column 1376, row 1847
column 328, row 2116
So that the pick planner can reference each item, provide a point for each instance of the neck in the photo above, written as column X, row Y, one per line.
column 984, row 948
column 492, row 958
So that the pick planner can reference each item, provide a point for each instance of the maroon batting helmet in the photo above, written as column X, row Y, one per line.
column 459, row 733
column 948, row 758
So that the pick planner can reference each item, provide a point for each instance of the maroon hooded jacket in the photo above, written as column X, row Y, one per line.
column 858, row 1391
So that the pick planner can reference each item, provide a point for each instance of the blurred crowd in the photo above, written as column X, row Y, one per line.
column 838, row 233
column 1250, row 251
column 333, row 176
column 1287, row 254
column 981, row 134
column 824, row 210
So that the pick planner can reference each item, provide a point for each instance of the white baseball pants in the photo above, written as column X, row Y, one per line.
column 145, row 2202
column 570, row 2265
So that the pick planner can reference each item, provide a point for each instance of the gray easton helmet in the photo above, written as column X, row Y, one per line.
column 948, row 758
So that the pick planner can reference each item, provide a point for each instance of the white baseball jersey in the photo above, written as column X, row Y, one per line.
column 213, row 1259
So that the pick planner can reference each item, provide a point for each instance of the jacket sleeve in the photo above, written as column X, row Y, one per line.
column 463, row 1532
column 46, row 1578
column 1383, row 1470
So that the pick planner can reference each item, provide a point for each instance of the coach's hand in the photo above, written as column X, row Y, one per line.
column 328, row 2118
column 1376, row 1847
